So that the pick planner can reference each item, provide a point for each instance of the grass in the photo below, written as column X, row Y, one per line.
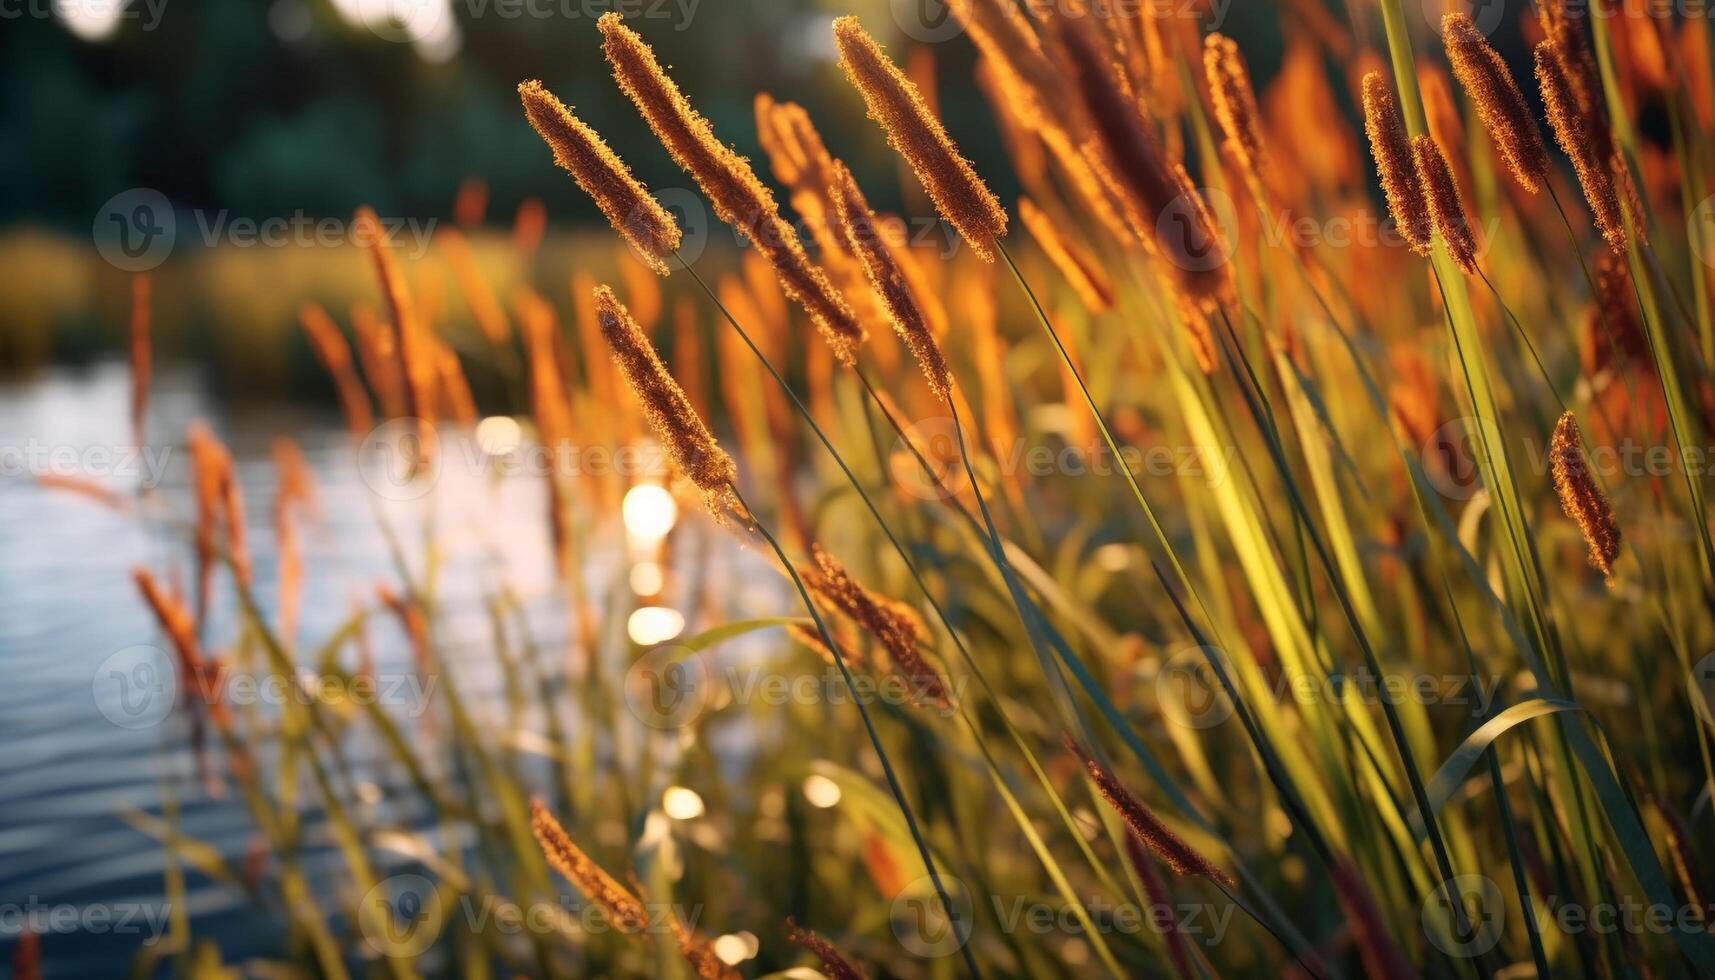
column 1269, row 614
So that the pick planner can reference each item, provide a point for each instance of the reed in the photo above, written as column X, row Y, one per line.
column 1500, row 104
column 894, row 102
column 1401, row 182
column 1446, row 204
column 835, row 964
column 1581, row 497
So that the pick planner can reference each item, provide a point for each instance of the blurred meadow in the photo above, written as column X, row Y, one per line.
column 686, row 489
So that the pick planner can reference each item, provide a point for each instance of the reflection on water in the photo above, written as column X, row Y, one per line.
column 81, row 656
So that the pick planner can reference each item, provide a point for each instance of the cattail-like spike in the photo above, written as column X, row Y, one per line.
column 668, row 411
column 1500, row 104
column 1155, row 835
column 1578, row 134
column 418, row 371
column 1401, row 183
column 639, row 218
column 887, row 278
column 739, row 198
column 1081, row 270
column 1234, row 101
column 139, row 337
column 1446, row 204
column 892, row 624
column 894, row 102
column 597, row 885
column 1581, row 498
column 834, row 963
column 1163, row 208
column 490, row 318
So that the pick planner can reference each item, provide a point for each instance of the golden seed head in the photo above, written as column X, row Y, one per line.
column 1500, row 104
column 891, row 623
column 1145, row 825
column 1446, row 205
column 1581, row 498
column 417, row 369
column 335, row 355
column 1401, row 183
column 1082, row 271
column 1235, row 105
column 581, row 151
column 1162, row 207
column 739, row 198
column 857, row 226
column 566, row 857
column 912, row 130
column 668, row 411
column 1579, row 134
column 834, row 963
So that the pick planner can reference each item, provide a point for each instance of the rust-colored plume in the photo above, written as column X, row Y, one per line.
column 887, row 278
column 638, row 218
column 597, row 885
column 894, row 102
column 1581, row 498
column 1580, row 135
column 1081, row 270
column 891, row 623
column 1401, row 182
column 739, row 198
column 335, row 355
column 1163, row 208
column 1234, row 101
column 1150, row 831
column 139, row 336
column 416, row 356
column 1500, row 104
column 665, row 406
column 834, row 963
column 1446, row 204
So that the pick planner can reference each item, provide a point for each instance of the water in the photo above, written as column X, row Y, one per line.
column 84, row 744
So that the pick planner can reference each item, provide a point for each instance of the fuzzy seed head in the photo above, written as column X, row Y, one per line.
column 599, row 171
column 1446, row 205
column 739, row 198
column 1500, row 104
column 1401, row 183
column 566, row 857
column 857, row 225
column 1581, row 498
column 1579, row 134
column 1235, row 104
column 913, row 131
column 834, row 963
column 665, row 406
column 1145, row 825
